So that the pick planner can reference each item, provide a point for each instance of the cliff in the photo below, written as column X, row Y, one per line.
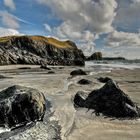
column 39, row 50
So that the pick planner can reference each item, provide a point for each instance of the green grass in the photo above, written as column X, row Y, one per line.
column 48, row 40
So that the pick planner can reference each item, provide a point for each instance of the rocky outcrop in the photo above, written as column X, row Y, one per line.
column 95, row 56
column 109, row 100
column 20, row 105
column 78, row 72
column 39, row 50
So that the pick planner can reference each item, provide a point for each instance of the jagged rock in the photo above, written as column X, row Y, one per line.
column 84, row 82
column 78, row 72
column 109, row 100
column 20, row 105
column 95, row 56
column 39, row 50
column 103, row 80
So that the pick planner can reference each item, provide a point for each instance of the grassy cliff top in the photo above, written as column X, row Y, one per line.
column 48, row 40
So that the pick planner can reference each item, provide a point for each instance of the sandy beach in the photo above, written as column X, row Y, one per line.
column 59, row 88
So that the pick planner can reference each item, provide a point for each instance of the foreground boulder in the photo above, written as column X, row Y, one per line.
column 20, row 105
column 109, row 100
column 78, row 72
column 39, row 50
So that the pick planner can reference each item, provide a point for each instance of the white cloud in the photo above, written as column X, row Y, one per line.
column 119, row 39
column 123, row 44
column 9, row 20
column 10, row 4
column 82, row 20
column 8, row 32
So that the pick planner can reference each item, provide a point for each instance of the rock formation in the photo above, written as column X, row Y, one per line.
column 20, row 105
column 78, row 72
column 95, row 56
column 104, row 79
column 84, row 82
column 39, row 50
column 109, row 100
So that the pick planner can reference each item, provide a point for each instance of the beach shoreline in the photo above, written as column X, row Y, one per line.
column 59, row 88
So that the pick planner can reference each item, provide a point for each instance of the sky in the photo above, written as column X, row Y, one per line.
column 109, row 26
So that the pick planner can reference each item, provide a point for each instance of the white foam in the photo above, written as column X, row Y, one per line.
column 2, row 130
column 113, row 65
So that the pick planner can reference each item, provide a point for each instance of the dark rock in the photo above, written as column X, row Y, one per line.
column 39, row 50
column 114, row 58
column 103, row 80
column 79, row 62
column 79, row 99
column 95, row 56
column 84, row 82
column 24, row 68
column 78, row 72
column 51, row 72
column 20, row 105
column 2, row 77
column 109, row 100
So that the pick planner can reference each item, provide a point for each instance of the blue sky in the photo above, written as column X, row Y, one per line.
column 110, row 26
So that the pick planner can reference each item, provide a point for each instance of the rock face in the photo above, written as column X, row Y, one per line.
column 78, row 72
column 39, row 50
column 109, row 100
column 84, row 82
column 95, row 56
column 20, row 105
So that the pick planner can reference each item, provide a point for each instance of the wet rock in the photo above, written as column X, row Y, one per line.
column 24, row 68
column 109, row 100
column 79, row 99
column 2, row 77
column 20, row 105
column 78, row 72
column 79, row 62
column 84, row 82
column 51, row 72
column 103, row 80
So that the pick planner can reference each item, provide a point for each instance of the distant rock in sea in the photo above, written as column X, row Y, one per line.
column 114, row 58
column 95, row 56
column 109, row 100
column 39, row 50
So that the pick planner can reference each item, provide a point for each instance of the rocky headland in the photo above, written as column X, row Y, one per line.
column 39, row 50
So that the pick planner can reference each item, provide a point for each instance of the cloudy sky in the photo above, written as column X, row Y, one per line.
column 110, row 26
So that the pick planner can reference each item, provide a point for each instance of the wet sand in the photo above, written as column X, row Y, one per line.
column 60, row 88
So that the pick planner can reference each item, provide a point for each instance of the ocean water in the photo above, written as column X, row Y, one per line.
column 110, row 65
